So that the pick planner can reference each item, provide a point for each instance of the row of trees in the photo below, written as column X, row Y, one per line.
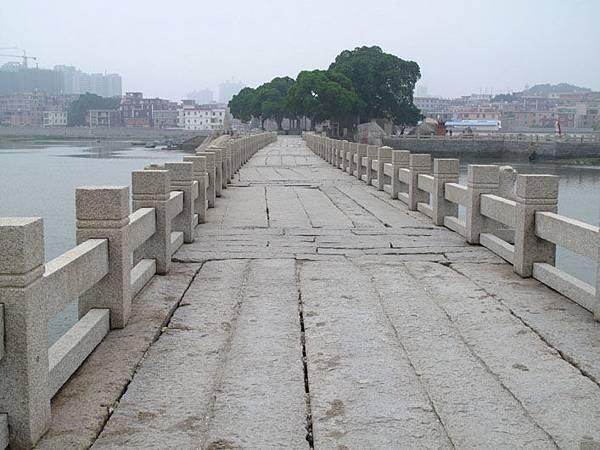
column 359, row 85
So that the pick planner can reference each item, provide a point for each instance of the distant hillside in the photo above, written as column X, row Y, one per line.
column 548, row 89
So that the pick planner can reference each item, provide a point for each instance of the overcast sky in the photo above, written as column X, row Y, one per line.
column 168, row 48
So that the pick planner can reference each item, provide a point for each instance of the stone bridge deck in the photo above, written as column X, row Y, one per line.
column 313, row 311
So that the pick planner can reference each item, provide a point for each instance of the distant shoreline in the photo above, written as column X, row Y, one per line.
column 84, row 133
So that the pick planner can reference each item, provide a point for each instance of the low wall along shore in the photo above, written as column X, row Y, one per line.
column 118, row 252
column 123, row 133
column 543, row 148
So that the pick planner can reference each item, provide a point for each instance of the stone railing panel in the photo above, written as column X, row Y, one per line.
column 67, row 354
column 74, row 272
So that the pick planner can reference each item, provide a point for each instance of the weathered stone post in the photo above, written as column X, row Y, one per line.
column 400, row 160
column 24, row 368
column 151, row 189
column 212, row 175
column 182, row 179
column 201, row 177
column 344, row 155
column 103, row 213
column 361, row 151
column 444, row 171
column 227, row 164
column 481, row 179
column 235, row 156
column 418, row 163
column 533, row 193
column 384, row 156
column 218, row 169
column 335, row 153
column 351, row 157
column 372, row 154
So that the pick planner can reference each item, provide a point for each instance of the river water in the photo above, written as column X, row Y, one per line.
column 40, row 180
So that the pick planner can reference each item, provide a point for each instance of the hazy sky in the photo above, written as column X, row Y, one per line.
column 168, row 48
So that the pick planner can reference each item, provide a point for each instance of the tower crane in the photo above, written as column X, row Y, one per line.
column 24, row 57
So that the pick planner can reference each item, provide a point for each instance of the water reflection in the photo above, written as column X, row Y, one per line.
column 579, row 191
column 40, row 181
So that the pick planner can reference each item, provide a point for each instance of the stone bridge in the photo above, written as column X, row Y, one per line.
column 314, row 311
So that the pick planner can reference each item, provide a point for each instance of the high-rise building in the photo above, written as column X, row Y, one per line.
column 77, row 82
column 16, row 79
column 201, row 97
column 228, row 89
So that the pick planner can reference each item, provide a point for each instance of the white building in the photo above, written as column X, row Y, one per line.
column 54, row 118
column 204, row 117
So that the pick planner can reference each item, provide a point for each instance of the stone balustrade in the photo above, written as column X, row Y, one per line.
column 118, row 252
column 513, row 215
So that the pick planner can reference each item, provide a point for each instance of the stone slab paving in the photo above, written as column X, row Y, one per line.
column 320, row 314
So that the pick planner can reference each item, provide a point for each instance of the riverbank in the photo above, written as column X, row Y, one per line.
column 10, row 134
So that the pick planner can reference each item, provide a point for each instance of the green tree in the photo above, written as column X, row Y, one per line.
column 321, row 95
column 244, row 106
column 272, row 98
column 79, row 108
column 383, row 82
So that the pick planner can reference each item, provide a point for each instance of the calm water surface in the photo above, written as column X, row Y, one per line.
column 578, row 198
column 41, row 181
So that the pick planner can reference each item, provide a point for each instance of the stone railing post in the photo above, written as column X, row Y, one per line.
column 236, row 157
column 481, row 179
column 152, row 189
column 201, row 177
column 384, row 156
column 182, row 179
column 103, row 213
column 361, row 151
column 372, row 154
column 533, row 193
column 344, row 155
column 218, row 169
column 211, row 191
column 351, row 155
column 418, row 163
column 227, row 164
column 400, row 159
column 444, row 171
column 24, row 368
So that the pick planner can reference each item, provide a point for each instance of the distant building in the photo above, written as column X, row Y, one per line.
column 103, row 118
column 138, row 111
column 54, row 118
column 228, row 89
column 34, row 109
column 77, row 82
column 201, row 97
column 17, row 79
column 204, row 117
column 135, row 112
column 434, row 107
column 165, row 118
column 475, row 126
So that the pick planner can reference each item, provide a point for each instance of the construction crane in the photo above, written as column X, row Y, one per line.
column 24, row 57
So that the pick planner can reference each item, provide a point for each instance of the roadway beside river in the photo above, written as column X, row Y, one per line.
column 313, row 311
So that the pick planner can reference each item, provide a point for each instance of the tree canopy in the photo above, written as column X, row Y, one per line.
column 80, row 107
column 322, row 95
column 384, row 83
column 361, row 84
